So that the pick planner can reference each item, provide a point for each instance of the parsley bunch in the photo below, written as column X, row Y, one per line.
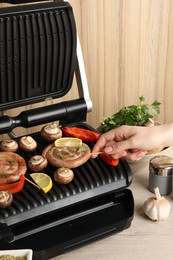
column 132, row 115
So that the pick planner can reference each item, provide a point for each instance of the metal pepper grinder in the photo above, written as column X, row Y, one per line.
column 160, row 174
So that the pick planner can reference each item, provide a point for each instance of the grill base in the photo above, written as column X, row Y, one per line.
column 75, row 226
column 94, row 205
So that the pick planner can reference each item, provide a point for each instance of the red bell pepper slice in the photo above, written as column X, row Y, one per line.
column 108, row 159
column 14, row 187
column 83, row 134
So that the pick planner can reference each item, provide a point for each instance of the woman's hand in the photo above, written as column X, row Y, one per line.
column 130, row 142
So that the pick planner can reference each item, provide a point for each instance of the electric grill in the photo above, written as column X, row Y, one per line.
column 40, row 55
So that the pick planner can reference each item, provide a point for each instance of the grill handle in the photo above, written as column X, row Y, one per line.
column 65, row 112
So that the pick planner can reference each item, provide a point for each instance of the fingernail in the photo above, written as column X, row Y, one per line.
column 108, row 149
column 140, row 154
column 122, row 154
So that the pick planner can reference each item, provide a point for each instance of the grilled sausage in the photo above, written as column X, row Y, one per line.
column 12, row 166
column 69, row 157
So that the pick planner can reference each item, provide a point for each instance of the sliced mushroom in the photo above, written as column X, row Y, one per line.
column 63, row 175
column 9, row 145
column 51, row 132
column 27, row 144
column 37, row 163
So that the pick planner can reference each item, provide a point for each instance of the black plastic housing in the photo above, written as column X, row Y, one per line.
column 38, row 53
column 95, row 204
column 38, row 60
column 75, row 226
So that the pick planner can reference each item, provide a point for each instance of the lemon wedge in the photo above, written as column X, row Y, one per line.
column 68, row 141
column 42, row 180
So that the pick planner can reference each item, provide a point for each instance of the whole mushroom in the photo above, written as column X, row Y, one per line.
column 6, row 198
column 37, row 163
column 27, row 144
column 51, row 132
column 63, row 175
column 9, row 145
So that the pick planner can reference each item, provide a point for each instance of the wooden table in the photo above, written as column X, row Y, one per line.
column 145, row 239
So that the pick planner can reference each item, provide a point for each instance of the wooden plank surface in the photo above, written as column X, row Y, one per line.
column 128, row 48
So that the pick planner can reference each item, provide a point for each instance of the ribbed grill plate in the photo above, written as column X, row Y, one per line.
column 92, row 179
column 37, row 53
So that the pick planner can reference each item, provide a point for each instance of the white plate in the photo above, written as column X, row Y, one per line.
column 18, row 252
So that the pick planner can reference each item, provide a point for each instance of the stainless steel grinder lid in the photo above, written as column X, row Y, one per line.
column 162, row 165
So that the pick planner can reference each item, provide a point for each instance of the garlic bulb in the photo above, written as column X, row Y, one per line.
column 157, row 208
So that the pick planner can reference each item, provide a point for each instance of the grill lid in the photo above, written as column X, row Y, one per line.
column 38, row 53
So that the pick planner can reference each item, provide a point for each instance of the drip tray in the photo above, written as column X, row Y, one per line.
column 65, row 230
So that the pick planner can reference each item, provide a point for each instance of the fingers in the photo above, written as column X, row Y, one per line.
column 128, row 155
column 135, row 156
column 131, row 155
column 115, row 139
column 121, row 142
column 107, row 140
column 116, row 148
column 101, row 143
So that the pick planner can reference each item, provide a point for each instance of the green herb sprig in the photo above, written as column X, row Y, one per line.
column 132, row 115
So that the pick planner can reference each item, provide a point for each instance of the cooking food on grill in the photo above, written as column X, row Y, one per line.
column 84, row 134
column 9, row 145
column 37, row 163
column 108, row 159
column 43, row 180
column 6, row 198
column 14, row 187
column 12, row 166
column 51, row 132
column 46, row 149
column 67, row 152
column 27, row 144
column 63, row 175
